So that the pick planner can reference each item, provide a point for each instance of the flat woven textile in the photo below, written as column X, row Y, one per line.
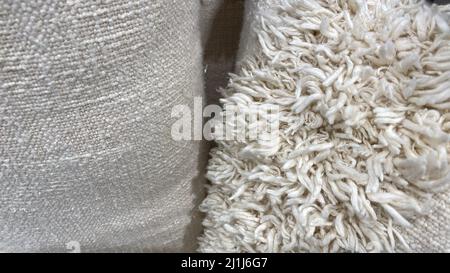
column 87, row 161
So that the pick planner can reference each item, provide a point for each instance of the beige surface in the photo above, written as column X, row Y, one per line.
column 86, row 155
column 430, row 233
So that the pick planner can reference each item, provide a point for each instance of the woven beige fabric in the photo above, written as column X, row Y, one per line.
column 431, row 233
column 87, row 161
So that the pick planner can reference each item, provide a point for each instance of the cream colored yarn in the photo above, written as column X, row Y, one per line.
column 364, row 91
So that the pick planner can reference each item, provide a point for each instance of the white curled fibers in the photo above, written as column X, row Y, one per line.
column 364, row 94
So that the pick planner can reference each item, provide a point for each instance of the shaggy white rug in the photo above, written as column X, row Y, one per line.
column 364, row 91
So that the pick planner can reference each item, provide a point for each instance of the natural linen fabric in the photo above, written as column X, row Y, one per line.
column 363, row 90
column 86, row 154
